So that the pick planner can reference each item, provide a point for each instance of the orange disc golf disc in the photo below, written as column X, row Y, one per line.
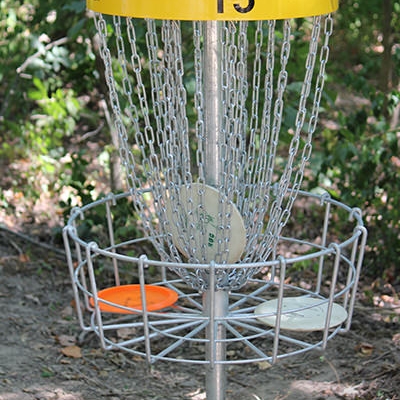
column 157, row 298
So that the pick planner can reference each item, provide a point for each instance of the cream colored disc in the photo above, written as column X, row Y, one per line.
column 201, row 213
column 308, row 314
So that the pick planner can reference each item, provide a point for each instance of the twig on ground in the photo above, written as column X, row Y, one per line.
column 334, row 370
column 13, row 244
column 32, row 240
column 378, row 358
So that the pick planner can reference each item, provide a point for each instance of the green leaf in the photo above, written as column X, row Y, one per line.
column 76, row 29
column 41, row 91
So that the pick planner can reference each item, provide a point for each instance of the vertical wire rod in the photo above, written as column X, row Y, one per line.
column 323, row 243
column 97, row 312
column 71, row 272
column 142, row 264
column 336, row 265
column 361, row 251
column 282, row 266
column 111, row 237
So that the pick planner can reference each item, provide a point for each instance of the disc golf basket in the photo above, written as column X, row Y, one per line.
column 215, row 131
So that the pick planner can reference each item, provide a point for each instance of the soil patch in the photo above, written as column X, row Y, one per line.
column 45, row 356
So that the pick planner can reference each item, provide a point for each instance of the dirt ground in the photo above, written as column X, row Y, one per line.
column 43, row 355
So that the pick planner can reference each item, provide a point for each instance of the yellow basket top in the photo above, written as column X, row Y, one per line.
column 214, row 9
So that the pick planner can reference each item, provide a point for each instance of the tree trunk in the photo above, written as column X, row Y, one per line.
column 116, row 181
column 386, row 80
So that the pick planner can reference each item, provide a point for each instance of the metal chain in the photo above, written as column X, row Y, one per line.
column 310, row 63
column 149, row 98
column 199, row 98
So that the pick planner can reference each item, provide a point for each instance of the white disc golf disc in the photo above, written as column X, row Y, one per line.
column 301, row 314
column 201, row 216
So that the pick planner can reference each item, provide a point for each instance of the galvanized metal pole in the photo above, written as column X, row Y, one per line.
column 215, row 305
column 215, row 302
column 212, row 80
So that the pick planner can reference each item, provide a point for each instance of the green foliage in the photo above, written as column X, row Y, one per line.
column 46, row 72
column 360, row 162
column 55, row 116
column 74, row 175
column 361, row 167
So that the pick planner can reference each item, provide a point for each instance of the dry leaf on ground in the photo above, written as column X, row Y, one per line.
column 72, row 351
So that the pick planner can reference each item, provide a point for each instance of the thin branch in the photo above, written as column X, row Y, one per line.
column 89, row 134
column 39, row 53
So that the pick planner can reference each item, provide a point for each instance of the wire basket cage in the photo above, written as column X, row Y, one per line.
column 299, row 317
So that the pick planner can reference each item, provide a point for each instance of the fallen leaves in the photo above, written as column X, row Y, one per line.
column 263, row 365
column 72, row 351
column 23, row 258
column 32, row 298
column 69, row 349
column 126, row 333
column 309, row 388
column 386, row 301
column 66, row 340
column 396, row 339
column 365, row 349
column 45, row 393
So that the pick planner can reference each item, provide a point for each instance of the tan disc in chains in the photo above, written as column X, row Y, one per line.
column 196, row 233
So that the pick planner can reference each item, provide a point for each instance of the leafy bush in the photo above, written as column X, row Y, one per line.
column 361, row 167
column 47, row 75
column 360, row 159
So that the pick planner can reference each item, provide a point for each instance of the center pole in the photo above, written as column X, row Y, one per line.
column 212, row 81
column 215, row 302
column 215, row 305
